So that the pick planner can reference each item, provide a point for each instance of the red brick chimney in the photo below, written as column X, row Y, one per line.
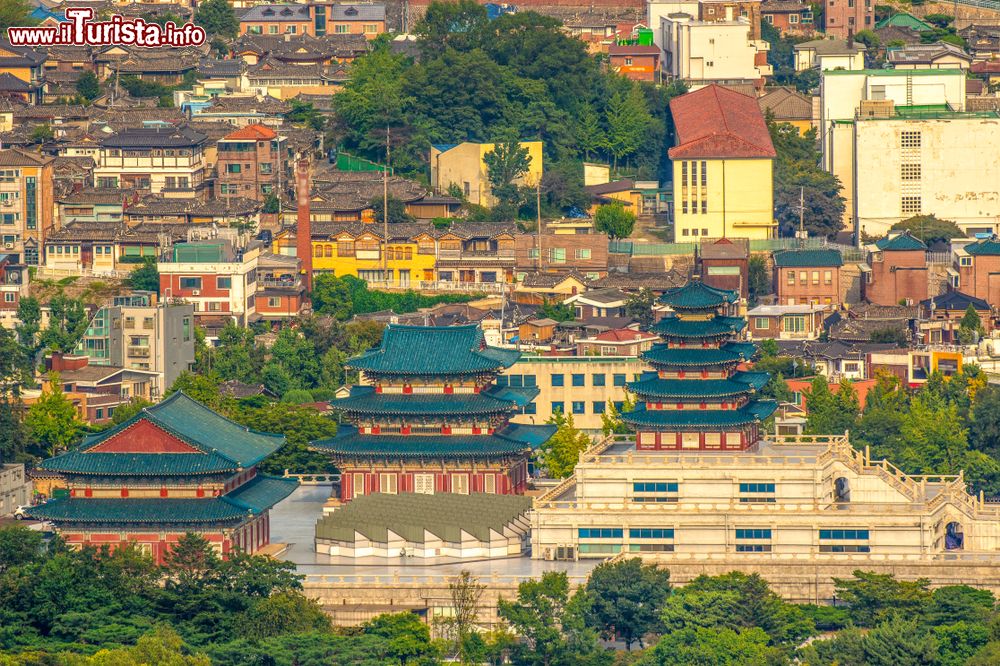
column 60, row 362
column 303, row 229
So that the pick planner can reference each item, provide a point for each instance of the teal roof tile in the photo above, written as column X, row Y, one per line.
column 696, row 295
column 985, row 247
column 433, row 350
column 903, row 241
column 418, row 404
column 138, row 511
column 139, row 464
column 729, row 353
column 696, row 388
column 676, row 419
column 516, row 440
column 261, row 493
column 520, row 396
column 805, row 257
column 679, row 327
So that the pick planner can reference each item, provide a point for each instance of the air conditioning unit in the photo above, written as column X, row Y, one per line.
column 196, row 292
column 8, row 246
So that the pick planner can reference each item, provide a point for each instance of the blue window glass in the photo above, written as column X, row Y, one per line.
column 579, row 407
column 619, row 379
column 503, row 380
column 654, row 487
column 517, row 381
column 530, row 409
column 558, row 406
column 651, row 533
column 600, row 533
column 597, row 379
column 756, row 487
column 558, row 380
column 856, row 535
column 579, row 379
column 599, row 406
column 530, row 381
column 753, row 533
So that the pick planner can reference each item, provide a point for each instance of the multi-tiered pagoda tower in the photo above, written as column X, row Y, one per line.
column 431, row 419
column 699, row 398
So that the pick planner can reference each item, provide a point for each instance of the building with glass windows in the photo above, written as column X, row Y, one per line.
column 699, row 485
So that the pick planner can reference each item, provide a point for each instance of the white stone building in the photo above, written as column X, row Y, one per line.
column 704, row 52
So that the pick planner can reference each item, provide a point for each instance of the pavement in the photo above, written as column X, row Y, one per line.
column 293, row 523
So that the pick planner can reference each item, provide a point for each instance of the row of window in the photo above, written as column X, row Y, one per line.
column 196, row 282
column 742, row 534
column 580, row 406
column 596, row 379
column 804, row 277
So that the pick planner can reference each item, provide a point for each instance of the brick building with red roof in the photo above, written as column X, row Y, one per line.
column 252, row 162
column 635, row 61
column 723, row 164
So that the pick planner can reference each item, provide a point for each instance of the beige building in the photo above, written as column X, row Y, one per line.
column 794, row 500
column 26, row 203
column 153, row 159
column 463, row 165
column 703, row 52
column 15, row 488
column 828, row 54
column 577, row 385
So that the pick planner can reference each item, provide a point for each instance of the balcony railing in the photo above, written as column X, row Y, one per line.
column 139, row 352
column 279, row 284
column 444, row 285
column 455, row 255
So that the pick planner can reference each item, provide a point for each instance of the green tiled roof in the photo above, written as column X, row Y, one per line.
column 676, row 419
column 678, row 327
column 987, row 246
column 731, row 352
column 433, row 350
column 697, row 295
column 903, row 241
column 444, row 515
column 418, row 404
column 223, row 444
column 905, row 20
column 519, row 395
column 514, row 440
column 252, row 498
column 738, row 384
column 807, row 257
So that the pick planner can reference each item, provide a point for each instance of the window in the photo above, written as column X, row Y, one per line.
column 965, row 261
column 579, row 407
column 600, row 533
column 815, row 277
column 579, row 379
column 340, row 29
column 761, row 323
column 618, row 379
column 827, row 277
column 558, row 380
column 628, row 61
column 599, row 406
column 370, row 28
column 770, row 18
column 844, row 541
column 490, row 483
column 265, row 167
column 792, row 18
column 654, row 491
column 794, row 323
column 583, row 253
column 233, row 168
column 190, row 283
column 460, row 484
column 597, row 379
column 909, row 139
column 753, row 540
column 752, row 493
column 9, row 297
column 910, row 205
column 651, row 533
column 272, row 30
column 557, row 255
column 358, row 484
column 909, row 171
column 423, row 484
column 224, row 283
column 273, row 301
column 387, row 483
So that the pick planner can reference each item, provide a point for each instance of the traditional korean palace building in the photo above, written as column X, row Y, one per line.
column 175, row 467
column 700, row 488
column 698, row 398
column 431, row 419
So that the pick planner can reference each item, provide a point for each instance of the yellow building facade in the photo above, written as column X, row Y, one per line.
column 407, row 261
column 463, row 165
column 723, row 197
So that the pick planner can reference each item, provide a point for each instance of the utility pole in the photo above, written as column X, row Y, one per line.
column 385, row 208
column 802, row 211
column 538, row 219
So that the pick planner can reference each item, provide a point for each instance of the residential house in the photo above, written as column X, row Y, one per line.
column 165, row 65
column 535, row 331
column 153, row 160
column 701, row 52
column 26, row 203
column 843, row 18
column 939, row 55
column 913, row 367
column 788, row 16
column 886, row 124
column 977, row 266
column 722, row 166
column 95, row 390
column 138, row 331
column 22, row 72
column 277, row 20
column 598, row 303
column 808, row 276
column 624, row 191
column 536, row 288
column 156, row 210
column 14, row 282
column 787, row 105
column 982, row 41
column 316, row 19
column 108, row 248
column 616, row 342
column 826, row 54
column 988, row 71
column 586, row 254
column 285, row 80
column 217, row 277
column 941, row 317
column 476, row 255
column 280, row 290
column 243, row 110
column 349, row 196
column 896, row 270
column 873, row 322
column 252, row 162
column 301, row 49
column 724, row 264
column 786, row 322
column 836, row 359
column 635, row 61
column 463, row 164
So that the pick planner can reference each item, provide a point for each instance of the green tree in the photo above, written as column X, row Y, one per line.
column 561, row 452
column 131, row 408
column 160, row 646
column 29, row 318
column 984, row 422
column 145, row 276
column 930, row 229
column 284, row 613
column 898, row 641
column 190, row 562
column 397, row 210
column 614, row 220
column 305, row 114
column 42, row 133
column 874, row 597
column 703, row 646
column 88, row 86
column 640, row 307
column 625, row 599
column 758, row 278
column 296, row 355
column 550, row 624
column 460, row 25
column 217, row 18
column 831, row 413
column 589, row 131
column 407, row 637
column 19, row 546
column 505, row 164
column 331, row 296
column 628, row 121
column 466, row 594
column 611, row 420
column 798, row 177
column 960, row 603
column 237, row 355
column 203, row 388
column 958, row 642
column 272, row 204
column 52, row 421
column 14, row 13
column 970, row 328
column 556, row 310
column 300, row 425
column 67, row 323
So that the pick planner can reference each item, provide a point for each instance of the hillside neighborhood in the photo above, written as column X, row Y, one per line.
column 660, row 332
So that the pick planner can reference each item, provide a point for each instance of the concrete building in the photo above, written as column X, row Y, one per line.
column 703, row 10
column 462, row 164
column 616, row 342
column 139, row 332
column 153, row 160
column 252, row 162
column 722, row 162
column 15, row 279
column 826, row 54
column 896, row 270
column 977, row 270
column 807, row 276
column 15, row 488
column 639, row 62
column 787, row 322
column 26, row 203
column 701, row 52
column 940, row 55
column 316, row 19
column 843, row 18
column 724, row 263
column 920, row 152
column 788, row 16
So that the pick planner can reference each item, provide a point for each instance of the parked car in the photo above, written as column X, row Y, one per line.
column 21, row 512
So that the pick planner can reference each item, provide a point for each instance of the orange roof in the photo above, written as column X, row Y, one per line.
column 715, row 122
column 623, row 335
column 252, row 133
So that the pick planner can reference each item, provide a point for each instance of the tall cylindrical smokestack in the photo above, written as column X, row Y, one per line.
column 303, row 229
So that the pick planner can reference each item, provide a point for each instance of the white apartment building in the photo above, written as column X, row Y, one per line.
column 704, row 52
column 902, row 144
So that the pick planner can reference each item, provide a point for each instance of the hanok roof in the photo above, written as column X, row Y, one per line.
column 18, row 157
column 984, row 247
column 515, row 440
column 538, row 280
column 739, row 384
column 902, row 241
column 155, row 137
column 955, row 300
column 830, row 47
column 808, row 257
column 661, row 281
column 267, row 13
column 696, row 295
column 445, row 516
column 219, row 444
column 11, row 84
column 786, row 103
column 716, row 327
column 714, row 122
column 730, row 353
column 922, row 54
column 433, row 350
column 725, row 248
column 364, row 400
column 674, row 419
